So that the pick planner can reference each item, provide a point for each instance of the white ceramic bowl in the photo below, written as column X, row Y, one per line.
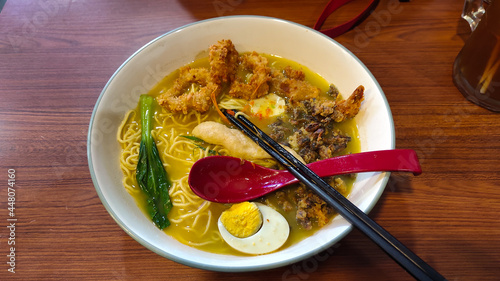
column 176, row 48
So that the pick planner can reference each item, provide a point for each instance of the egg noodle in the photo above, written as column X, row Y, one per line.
column 197, row 217
column 174, row 150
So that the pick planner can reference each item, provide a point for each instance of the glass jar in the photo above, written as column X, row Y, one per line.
column 476, row 71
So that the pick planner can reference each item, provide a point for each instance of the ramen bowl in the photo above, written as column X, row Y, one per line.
column 146, row 67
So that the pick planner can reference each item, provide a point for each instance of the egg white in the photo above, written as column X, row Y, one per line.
column 270, row 237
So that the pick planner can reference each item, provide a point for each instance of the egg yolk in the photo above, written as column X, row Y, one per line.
column 242, row 219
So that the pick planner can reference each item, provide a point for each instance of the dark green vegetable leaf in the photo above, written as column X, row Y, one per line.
column 151, row 175
column 194, row 139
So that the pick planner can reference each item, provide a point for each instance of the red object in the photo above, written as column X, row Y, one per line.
column 332, row 6
column 226, row 179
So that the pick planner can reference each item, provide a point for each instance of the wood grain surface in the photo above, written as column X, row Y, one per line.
column 57, row 55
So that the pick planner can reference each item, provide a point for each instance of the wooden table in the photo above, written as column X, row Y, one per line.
column 57, row 55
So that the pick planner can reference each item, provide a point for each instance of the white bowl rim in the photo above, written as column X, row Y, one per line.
column 223, row 268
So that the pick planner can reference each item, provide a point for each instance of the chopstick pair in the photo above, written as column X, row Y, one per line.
column 395, row 249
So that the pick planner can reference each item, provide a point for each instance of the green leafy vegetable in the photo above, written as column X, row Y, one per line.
column 195, row 139
column 151, row 175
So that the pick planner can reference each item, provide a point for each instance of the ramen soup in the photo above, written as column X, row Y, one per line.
column 291, row 103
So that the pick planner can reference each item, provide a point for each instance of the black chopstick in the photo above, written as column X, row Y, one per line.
column 395, row 249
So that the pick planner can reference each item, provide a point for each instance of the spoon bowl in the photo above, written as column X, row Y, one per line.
column 226, row 179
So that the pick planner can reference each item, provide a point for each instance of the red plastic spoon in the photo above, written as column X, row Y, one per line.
column 226, row 179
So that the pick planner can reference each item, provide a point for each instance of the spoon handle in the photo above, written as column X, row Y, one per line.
column 397, row 160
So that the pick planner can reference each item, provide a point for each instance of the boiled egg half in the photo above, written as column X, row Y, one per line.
column 253, row 228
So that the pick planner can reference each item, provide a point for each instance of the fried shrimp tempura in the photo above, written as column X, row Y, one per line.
column 343, row 109
column 191, row 90
column 291, row 83
column 223, row 61
column 257, row 85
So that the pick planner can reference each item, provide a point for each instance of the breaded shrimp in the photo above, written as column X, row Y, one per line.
column 340, row 110
column 257, row 85
column 291, row 83
column 223, row 61
column 191, row 90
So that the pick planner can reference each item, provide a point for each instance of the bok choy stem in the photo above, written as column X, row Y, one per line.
column 150, row 174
